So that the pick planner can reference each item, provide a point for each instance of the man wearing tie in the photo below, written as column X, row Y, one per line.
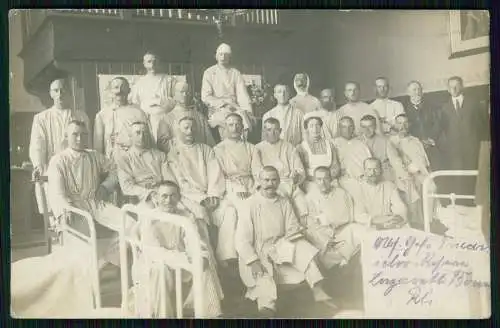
column 465, row 124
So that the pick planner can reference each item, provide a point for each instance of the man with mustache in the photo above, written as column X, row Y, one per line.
column 48, row 131
column 290, row 117
column 224, row 91
column 378, row 202
column 270, row 247
column 283, row 156
column 304, row 101
column 387, row 109
column 201, row 179
column 239, row 161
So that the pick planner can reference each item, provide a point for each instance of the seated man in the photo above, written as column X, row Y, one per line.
column 268, row 248
column 168, row 124
column 352, row 152
column 415, row 162
column 330, row 221
column 283, row 156
column 239, row 162
column 40, row 285
column 166, row 199
column 378, row 204
column 392, row 163
column 316, row 151
column 142, row 166
column 202, row 181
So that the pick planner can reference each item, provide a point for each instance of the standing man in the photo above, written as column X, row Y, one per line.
column 387, row 109
column 465, row 124
column 168, row 125
column 113, row 125
column 331, row 115
column 48, row 130
column 424, row 121
column 354, row 108
column 290, row 118
column 151, row 92
column 223, row 90
column 303, row 100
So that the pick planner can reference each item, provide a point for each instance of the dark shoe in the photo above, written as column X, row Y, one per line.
column 266, row 313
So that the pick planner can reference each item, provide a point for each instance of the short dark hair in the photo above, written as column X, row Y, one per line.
column 352, row 82
column 270, row 168
column 234, row 115
column 274, row 121
column 168, row 183
column 138, row 123
column 401, row 115
column 374, row 159
column 121, row 78
column 369, row 118
column 456, row 78
column 77, row 123
column 347, row 118
column 306, row 121
column 186, row 117
column 382, row 78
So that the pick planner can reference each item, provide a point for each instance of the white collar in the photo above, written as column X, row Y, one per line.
column 459, row 98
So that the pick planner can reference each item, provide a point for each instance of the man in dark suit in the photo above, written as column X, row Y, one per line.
column 424, row 121
column 465, row 123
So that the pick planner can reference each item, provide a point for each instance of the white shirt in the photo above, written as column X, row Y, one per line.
column 460, row 101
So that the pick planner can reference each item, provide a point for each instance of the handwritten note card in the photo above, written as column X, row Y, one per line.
column 412, row 274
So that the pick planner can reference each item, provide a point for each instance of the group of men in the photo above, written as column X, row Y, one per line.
column 287, row 210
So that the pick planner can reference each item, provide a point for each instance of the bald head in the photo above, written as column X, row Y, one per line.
column 327, row 99
column 181, row 91
column 223, row 54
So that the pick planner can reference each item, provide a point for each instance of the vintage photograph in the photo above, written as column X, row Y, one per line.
column 249, row 163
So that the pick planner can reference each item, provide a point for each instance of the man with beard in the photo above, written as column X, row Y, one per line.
column 303, row 100
column 270, row 247
column 387, row 109
column 331, row 115
column 224, row 91
column 356, row 109
column 424, row 121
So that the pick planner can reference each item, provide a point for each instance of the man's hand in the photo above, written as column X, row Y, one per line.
column 211, row 203
column 102, row 193
column 243, row 195
column 257, row 269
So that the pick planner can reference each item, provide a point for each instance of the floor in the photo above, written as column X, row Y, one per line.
column 344, row 286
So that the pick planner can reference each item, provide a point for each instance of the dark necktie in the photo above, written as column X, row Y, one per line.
column 457, row 105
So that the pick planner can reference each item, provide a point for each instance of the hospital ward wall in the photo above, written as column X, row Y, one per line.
column 403, row 46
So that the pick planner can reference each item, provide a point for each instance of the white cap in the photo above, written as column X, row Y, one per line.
column 224, row 48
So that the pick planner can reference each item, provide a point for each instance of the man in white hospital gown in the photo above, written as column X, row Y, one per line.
column 48, row 130
column 75, row 180
column 269, row 252
column 239, row 161
column 378, row 203
column 387, row 109
column 201, row 180
column 164, row 237
column 354, row 108
column 415, row 161
column 151, row 92
column 224, row 91
column 283, row 157
column 330, row 221
column 392, row 162
column 290, row 117
column 316, row 151
column 168, row 125
column 113, row 124
column 304, row 101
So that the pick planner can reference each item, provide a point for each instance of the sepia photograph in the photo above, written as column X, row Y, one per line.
column 249, row 163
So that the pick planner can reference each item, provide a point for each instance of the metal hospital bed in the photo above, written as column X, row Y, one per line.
column 162, row 258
